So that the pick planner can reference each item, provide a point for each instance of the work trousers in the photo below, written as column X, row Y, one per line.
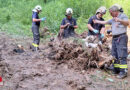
column 36, row 35
column 120, row 52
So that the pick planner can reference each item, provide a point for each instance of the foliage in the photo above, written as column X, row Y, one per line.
column 15, row 15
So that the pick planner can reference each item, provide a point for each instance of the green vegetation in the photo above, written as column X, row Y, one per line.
column 15, row 15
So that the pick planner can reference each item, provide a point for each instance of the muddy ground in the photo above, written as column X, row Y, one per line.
column 34, row 71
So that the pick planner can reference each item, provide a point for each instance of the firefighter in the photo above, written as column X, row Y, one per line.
column 35, row 27
column 68, row 25
column 119, row 24
column 97, row 29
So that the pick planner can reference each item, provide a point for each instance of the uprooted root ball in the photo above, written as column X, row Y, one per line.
column 78, row 56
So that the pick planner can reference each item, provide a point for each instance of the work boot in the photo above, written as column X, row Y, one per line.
column 111, row 67
column 31, row 46
column 35, row 49
column 115, row 71
column 122, row 74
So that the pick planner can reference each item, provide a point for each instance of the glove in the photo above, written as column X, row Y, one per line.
column 95, row 31
column 99, row 43
column 102, row 35
column 43, row 19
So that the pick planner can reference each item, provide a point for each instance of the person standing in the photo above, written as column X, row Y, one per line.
column 119, row 24
column 35, row 27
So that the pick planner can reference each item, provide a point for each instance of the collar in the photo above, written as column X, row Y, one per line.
column 34, row 10
column 69, row 19
column 97, row 17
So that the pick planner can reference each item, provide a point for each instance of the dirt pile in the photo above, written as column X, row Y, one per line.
column 80, row 54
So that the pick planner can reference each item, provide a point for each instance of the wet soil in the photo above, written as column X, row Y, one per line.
column 41, row 71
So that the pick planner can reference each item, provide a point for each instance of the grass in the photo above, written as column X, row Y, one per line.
column 15, row 16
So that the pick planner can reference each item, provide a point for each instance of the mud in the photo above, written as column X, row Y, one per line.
column 51, row 68
column 77, row 55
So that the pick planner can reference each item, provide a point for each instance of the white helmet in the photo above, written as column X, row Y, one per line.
column 101, row 10
column 69, row 11
column 118, row 6
column 38, row 7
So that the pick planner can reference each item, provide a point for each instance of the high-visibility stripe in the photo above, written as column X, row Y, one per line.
column 35, row 45
column 112, row 61
column 116, row 65
column 123, row 66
